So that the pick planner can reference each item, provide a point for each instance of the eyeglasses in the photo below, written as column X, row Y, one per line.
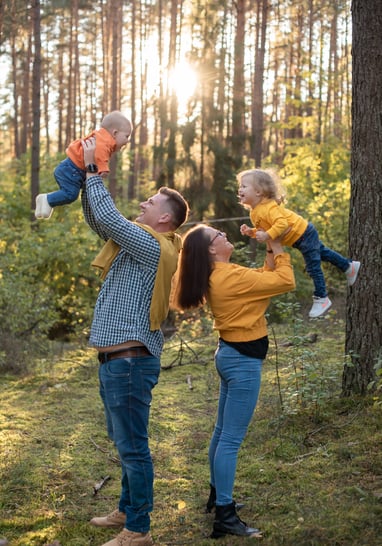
column 218, row 234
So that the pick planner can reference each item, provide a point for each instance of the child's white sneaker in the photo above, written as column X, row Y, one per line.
column 43, row 209
column 320, row 306
column 352, row 272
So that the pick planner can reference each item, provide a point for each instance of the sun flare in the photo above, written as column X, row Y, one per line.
column 182, row 81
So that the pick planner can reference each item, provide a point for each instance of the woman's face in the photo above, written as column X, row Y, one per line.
column 219, row 242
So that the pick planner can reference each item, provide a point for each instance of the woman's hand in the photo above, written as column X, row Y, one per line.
column 262, row 236
column 275, row 246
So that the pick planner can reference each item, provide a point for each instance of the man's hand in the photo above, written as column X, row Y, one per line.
column 89, row 146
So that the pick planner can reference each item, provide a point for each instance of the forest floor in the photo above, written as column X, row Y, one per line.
column 309, row 471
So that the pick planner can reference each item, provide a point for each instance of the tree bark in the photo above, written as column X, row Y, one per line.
column 258, row 83
column 238, row 106
column 36, row 108
column 364, row 303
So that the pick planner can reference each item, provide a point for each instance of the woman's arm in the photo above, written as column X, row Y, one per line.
column 274, row 248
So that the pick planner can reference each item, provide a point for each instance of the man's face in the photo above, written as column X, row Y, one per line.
column 153, row 210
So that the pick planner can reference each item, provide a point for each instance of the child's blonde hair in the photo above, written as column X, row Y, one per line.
column 266, row 181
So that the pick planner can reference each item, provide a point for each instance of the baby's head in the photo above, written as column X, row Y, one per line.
column 255, row 185
column 118, row 126
column 261, row 181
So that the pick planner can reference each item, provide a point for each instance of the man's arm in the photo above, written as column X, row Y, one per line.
column 89, row 216
column 105, row 219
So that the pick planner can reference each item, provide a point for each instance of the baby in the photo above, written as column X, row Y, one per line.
column 70, row 174
column 258, row 191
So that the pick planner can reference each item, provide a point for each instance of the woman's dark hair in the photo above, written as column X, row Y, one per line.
column 194, row 269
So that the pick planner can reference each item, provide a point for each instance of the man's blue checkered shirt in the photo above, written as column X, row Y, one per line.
column 122, row 311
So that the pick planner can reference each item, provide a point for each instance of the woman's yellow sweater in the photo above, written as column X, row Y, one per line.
column 239, row 296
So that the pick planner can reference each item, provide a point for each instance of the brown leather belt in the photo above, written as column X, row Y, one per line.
column 131, row 352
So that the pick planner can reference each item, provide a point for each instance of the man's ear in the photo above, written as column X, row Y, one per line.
column 165, row 218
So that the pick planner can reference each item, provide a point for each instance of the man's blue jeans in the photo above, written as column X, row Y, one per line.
column 126, row 390
column 240, row 378
column 70, row 179
column 315, row 252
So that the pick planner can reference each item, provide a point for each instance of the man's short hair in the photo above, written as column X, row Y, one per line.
column 178, row 205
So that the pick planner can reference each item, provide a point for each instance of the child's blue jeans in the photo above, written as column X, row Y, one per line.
column 69, row 178
column 315, row 252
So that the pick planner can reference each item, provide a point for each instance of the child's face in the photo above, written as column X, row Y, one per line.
column 122, row 136
column 249, row 194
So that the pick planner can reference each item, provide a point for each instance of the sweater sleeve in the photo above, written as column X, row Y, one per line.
column 277, row 220
column 269, row 282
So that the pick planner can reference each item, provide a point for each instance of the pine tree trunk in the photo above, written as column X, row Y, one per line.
column 364, row 304
column 36, row 95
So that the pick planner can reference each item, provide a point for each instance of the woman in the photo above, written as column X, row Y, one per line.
column 238, row 297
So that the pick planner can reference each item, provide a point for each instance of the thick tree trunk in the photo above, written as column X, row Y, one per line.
column 364, row 305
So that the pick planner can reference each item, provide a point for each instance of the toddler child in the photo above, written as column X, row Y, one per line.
column 70, row 174
column 258, row 191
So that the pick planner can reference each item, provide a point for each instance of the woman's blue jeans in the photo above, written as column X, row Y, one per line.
column 125, row 388
column 315, row 252
column 240, row 378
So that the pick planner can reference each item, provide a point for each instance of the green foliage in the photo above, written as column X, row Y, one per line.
column 47, row 287
column 376, row 385
column 304, row 378
column 316, row 178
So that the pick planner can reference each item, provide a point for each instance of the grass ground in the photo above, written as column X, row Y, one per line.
column 309, row 472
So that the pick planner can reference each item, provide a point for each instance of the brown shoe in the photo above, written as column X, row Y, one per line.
column 115, row 519
column 129, row 538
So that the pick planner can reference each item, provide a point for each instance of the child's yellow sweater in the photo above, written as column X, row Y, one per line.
column 275, row 219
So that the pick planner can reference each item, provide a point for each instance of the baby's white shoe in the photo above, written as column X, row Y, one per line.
column 320, row 306
column 352, row 272
column 43, row 209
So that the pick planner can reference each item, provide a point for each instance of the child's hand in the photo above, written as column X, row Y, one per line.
column 262, row 236
column 246, row 230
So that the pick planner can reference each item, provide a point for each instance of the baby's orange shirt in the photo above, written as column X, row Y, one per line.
column 105, row 147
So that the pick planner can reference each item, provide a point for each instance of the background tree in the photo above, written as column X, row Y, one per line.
column 36, row 103
column 364, row 307
column 257, row 111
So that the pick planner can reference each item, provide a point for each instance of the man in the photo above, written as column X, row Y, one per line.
column 131, row 304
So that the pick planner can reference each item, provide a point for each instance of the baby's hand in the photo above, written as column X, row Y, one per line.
column 262, row 236
column 246, row 230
